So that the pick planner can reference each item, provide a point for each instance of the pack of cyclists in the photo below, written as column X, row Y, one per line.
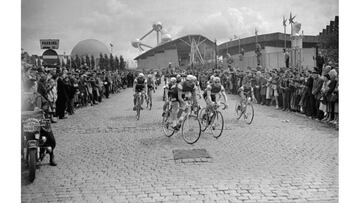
column 179, row 89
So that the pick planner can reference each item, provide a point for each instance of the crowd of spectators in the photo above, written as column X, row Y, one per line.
column 66, row 90
column 313, row 93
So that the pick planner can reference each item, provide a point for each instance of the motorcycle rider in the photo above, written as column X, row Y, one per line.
column 35, row 102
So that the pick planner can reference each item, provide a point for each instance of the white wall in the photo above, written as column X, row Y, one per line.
column 273, row 57
column 159, row 60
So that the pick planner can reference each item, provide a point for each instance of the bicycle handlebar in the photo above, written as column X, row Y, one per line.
column 216, row 105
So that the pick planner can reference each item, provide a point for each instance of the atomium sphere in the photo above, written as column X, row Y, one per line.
column 157, row 26
column 165, row 38
column 136, row 43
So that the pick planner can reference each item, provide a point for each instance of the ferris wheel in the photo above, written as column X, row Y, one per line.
column 156, row 27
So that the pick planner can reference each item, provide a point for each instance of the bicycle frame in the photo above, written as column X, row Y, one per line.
column 212, row 109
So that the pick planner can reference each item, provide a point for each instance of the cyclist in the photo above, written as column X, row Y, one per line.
column 139, row 86
column 158, row 79
column 178, row 78
column 245, row 92
column 170, row 93
column 213, row 91
column 186, row 90
column 210, row 82
column 150, row 87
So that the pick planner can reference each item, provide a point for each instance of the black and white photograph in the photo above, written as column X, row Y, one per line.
column 178, row 101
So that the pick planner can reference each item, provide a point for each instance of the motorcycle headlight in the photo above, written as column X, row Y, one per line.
column 37, row 136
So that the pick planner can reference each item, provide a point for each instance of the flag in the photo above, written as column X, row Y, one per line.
column 284, row 21
column 291, row 19
column 256, row 31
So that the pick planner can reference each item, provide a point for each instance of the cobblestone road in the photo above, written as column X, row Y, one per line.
column 105, row 155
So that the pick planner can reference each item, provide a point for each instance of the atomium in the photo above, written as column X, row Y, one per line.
column 158, row 28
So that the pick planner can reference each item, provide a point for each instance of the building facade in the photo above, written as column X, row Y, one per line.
column 186, row 50
column 272, row 55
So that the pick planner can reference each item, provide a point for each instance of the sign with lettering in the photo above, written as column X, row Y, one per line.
column 49, row 43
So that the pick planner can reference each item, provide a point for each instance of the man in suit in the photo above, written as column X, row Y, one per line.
column 62, row 96
column 317, row 84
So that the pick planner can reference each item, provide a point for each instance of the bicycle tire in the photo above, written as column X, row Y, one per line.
column 191, row 119
column 203, row 121
column 166, row 126
column 249, row 109
column 238, row 111
column 138, row 108
column 218, row 115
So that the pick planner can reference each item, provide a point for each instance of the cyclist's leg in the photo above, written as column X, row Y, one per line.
column 165, row 106
column 135, row 98
column 174, row 112
column 150, row 95
column 142, row 97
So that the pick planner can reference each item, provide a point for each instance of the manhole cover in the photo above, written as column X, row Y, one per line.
column 190, row 154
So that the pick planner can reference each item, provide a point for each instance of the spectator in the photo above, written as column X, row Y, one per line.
column 316, row 92
column 63, row 96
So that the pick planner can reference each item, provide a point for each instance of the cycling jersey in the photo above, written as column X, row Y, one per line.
column 150, row 83
column 246, row 90
column 139, row 84
column 214, row 90
column 172, row 92
column 187, row 89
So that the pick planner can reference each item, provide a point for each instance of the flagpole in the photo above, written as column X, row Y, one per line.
column 215, row 55
column 256, row 36
column 284, row 24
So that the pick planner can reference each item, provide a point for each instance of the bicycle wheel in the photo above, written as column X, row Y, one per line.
column 217, row 124
column 138, row 108
column 238, row 111
column 249, row 113
column 202, row 116
column 168, row 130
column 191, row 129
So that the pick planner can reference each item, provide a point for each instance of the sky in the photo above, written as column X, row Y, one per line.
column 121, row 21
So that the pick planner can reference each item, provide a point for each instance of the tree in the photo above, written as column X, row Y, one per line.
column 72, row 62
column 92, row 62
column 77, row 62
column 117, row 63
column 111, row 62
column 106, row 62
column 101, row 61
column 87, row 60
column 33, row 60
column 82, row 60
column 122, row 63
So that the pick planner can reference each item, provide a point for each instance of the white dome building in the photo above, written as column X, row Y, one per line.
column 90, row 47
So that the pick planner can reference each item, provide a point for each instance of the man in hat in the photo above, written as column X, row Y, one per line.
column 316, row 92
column 63, row 96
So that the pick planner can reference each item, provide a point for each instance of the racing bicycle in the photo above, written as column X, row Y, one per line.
column 190, row 126
column 211, row 116
column 138, row 101
column 246, row 109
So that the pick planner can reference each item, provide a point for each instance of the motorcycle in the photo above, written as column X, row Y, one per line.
column 33, row 139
